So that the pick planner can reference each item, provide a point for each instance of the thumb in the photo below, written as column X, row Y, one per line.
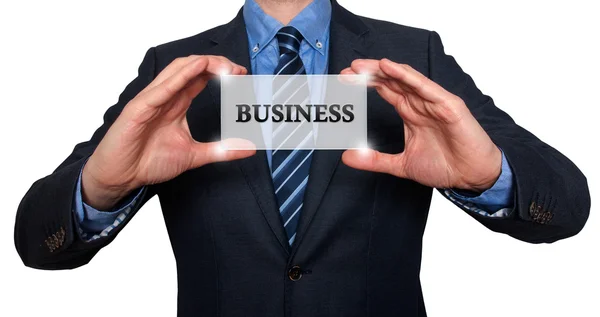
column 374, row 161
column 226, row 150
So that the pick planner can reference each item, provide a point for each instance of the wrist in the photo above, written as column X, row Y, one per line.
column 487, row 178
column 98, row 194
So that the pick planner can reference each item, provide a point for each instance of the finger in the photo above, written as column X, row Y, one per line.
column 418, row 82
column 367, row 66
column 374, row 161
column 236, row 68
column 376, row 77
column 391, row 96
column 174, row 84
column 171, row 86
column 372, row 80
column 240, row 70
column 351, row 78
column 198, row 84
column 179, row 63
column 347, row 71
column 194, row 88
column 175, row 66
column 217, row 66
column 388, row 88
column 226, row 150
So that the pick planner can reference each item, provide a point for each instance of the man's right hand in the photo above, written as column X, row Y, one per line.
column 150, row 141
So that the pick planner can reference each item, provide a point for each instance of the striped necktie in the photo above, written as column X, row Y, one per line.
column 290, row 165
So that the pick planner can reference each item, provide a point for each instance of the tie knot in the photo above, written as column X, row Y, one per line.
column 289, row 39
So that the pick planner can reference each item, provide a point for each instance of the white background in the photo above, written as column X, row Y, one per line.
column 65, row 62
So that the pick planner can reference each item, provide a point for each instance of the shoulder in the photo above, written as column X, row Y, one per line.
column 398, row 42
column 197, row 41
column 392, row 34
column 390, row 28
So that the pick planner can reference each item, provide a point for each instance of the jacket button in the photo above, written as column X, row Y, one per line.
column 533, row 208
column 295, row 273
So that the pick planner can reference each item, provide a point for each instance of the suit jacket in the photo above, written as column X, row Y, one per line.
column 358, row 245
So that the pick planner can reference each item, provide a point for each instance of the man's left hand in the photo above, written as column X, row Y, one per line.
column 445, row 147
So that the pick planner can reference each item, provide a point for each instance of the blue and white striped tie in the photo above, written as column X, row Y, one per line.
column 290, row 165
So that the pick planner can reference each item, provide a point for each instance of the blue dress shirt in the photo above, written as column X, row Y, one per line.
column 313, row 23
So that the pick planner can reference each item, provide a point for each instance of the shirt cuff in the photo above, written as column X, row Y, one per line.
column 496, row 201
column 93, row 222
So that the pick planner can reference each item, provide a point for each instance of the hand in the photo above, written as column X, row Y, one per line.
column 150, row 141
column 445, row 147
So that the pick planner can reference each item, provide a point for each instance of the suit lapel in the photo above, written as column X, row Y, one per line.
column 232, row 43
column 346, row 43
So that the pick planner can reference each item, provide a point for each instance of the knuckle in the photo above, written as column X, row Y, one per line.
column 357, row 64
column 454, row 101
column 421, row 83
column 216, row 59
column 168, row 89
column 451, row 112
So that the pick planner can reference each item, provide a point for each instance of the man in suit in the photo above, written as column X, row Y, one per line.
column 345, row 237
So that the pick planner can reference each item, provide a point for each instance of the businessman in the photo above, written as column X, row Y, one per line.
column 300, row 232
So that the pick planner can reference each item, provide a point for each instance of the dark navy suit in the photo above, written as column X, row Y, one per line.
column 358, row 246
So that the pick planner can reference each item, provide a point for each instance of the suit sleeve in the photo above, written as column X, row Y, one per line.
column 552, row 199
column 46, row 234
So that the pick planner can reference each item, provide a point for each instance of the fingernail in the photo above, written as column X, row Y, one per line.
column 237, row 144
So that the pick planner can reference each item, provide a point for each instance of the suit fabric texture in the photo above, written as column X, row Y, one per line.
column 358, row 246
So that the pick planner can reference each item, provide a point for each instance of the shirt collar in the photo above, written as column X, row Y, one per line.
column 312, row 22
